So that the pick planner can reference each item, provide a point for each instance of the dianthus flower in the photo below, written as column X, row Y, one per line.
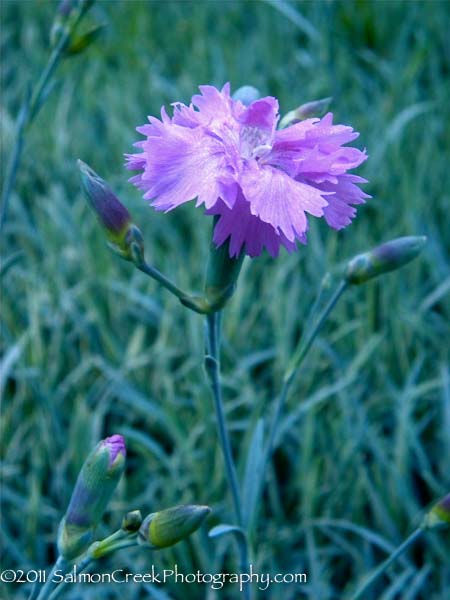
column 260, row 182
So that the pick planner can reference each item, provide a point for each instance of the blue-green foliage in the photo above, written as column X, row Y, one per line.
column 92, row 347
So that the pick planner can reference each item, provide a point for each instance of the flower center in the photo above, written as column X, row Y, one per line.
column 254, row 142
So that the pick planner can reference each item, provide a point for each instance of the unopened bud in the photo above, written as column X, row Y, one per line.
column 168, row 527
column 68, row 14
column 123, row 236
column 311, row 109
column 246, row 94
column 80, row 42
column 65, row 7
column 439, row 514
column 132, row 521
column 382, row 259
column 64, row 10
column 95, row 485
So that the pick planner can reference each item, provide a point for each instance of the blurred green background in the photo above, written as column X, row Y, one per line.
column 92, row 347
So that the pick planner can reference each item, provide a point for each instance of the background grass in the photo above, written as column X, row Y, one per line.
column 91, row 347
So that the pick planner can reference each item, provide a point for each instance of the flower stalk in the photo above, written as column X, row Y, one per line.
column 212, row 367
column 34, row 100
column 294, row 365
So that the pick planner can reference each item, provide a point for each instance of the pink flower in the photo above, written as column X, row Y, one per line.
column 260, row 182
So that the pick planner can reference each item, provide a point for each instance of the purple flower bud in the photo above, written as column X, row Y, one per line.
column 382, row 259
column 63, row 12
column 115, row 446
column 65, row 7
column 167, row 527
column 111, row 213
column 95, row 485
column 68, row 15
column 123, row 236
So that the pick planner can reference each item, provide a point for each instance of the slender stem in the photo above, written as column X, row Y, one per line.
column 296, row 362
column 80, row 567
column 382, row 568
column 30, row 108
column 49, row 584
column 162, row 279
column 90, row 557
column 195, row 304
column 212, row 365
column 297, row 359
column 303, row 348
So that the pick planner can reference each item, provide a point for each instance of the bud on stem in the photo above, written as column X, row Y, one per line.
column 439, row 514
column 168, row 527
column 68, row 14
column 95, row 485
column 124, row 238
column 79, row 43
column 382, row 259
column 132, row 521
column 311, row 109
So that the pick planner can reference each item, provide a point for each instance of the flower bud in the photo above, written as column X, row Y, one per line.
column 95, row 485
column 382, row 259
column 68, row 14
column 311, row 109
column 132, row 521
column 123, row 236
column 222, row 273
column 439, row 514
column 80, row 42
column 246, row 94
column 65, row 7
column 63, row 12
column 168, row 527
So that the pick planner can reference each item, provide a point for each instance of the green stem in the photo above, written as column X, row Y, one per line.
column 212, row 365
column 49, row 584
column 304, row 348
column 91, row 557
column 196, row 304
column 297, row 360
column 80, row 567
column 382, row 568
column 29, row 110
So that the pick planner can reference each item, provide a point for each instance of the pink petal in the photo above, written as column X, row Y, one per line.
column 244, row 230
column 181, row 164
column 279, row 200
